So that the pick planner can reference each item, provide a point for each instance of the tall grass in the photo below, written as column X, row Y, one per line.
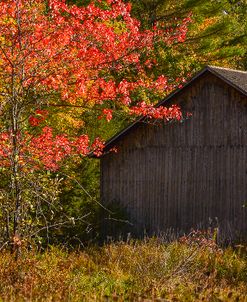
column 135, row 271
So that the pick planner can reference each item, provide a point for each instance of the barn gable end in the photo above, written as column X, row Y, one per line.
column 186, row 175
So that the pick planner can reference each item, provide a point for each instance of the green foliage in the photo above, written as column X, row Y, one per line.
column 79, row 201
column 217, row 35
column 135, row 271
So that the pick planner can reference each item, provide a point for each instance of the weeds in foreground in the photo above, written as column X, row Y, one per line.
column 136, row 271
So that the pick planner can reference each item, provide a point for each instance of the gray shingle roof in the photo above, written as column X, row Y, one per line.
column 236, row 78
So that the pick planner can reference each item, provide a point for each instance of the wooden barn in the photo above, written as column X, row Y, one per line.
column 188, row 175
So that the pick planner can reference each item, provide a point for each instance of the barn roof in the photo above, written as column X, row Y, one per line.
column 235, row 78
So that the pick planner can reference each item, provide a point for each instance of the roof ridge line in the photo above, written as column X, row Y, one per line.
column 226, row 68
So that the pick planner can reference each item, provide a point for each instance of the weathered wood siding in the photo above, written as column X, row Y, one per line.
column 185, row 175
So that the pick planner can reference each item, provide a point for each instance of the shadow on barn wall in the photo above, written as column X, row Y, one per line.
column 116, row 224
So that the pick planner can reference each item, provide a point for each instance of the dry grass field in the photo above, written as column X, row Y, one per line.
column 147, row 270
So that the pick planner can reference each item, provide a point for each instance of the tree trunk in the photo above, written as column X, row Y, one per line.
column 15, row 182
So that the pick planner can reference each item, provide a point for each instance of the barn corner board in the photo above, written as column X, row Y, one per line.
column 189, row 175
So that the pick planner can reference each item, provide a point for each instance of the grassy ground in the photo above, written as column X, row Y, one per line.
column 136, row 271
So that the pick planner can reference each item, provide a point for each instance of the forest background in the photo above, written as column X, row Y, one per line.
column 210, row 33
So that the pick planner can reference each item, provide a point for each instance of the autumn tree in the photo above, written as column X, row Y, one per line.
column 57, row 61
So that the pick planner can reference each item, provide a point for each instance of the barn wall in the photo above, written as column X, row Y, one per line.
column 185, row 175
